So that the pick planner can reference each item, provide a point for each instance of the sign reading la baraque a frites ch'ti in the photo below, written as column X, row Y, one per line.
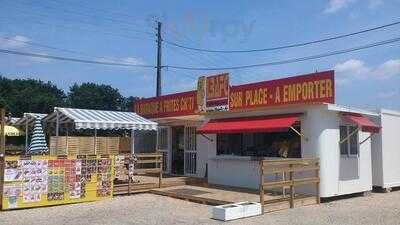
column 179, row 104
column 214, row 94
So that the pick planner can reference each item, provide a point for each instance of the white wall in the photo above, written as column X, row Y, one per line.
column 360, row 165
column 321, row 128
column 376, row 156
column 236, row 172
column 202, row 146
column 386, row 147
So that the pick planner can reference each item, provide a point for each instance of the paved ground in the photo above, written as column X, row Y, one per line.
column 152, row 209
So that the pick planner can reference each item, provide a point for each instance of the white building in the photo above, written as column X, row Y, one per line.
column 343, row 171
column 386, row 150
column 225, row 147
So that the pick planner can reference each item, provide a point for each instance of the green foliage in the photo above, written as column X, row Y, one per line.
column 20, row 96
column 95, row 96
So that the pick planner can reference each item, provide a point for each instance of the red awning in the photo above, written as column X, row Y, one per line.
column 366, row 124
column 273, row 123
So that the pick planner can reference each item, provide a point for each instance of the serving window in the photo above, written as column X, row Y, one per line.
column 266, row 144
column 349, row 146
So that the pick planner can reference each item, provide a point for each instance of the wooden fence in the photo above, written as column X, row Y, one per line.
column 128, row 168
column 89, row 145
column 291, row 173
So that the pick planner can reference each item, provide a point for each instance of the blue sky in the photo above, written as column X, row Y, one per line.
column 122, row 31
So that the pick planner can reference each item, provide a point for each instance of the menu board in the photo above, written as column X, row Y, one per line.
column 46, row 180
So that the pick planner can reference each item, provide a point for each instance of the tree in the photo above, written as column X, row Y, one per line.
column 20, row 96
column 128, row 104
column 95, row 96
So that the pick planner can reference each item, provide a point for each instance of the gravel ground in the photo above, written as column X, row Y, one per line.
column 152, row 209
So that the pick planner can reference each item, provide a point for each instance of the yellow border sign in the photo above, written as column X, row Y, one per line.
column 48, row 180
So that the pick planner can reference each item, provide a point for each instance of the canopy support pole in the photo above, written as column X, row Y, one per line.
column 95, row 141
column 57, row 129
column 2, row 133
column 297, row 132
column 66, row 138
column 362, row 142
column 26, row 135
column 132, row 142
column 208, row 138
column 348, row 136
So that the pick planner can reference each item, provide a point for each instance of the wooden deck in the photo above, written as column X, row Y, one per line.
column 225, row 195
column 147, row 183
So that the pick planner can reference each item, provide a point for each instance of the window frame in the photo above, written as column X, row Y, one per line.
column 348, row 141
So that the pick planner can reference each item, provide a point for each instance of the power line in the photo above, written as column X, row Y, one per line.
column 375, row 44
column 294, row 59
column 73, row 12
column 90, row 30
column 284, row 46
column 31, row 43
column 35, row 55
column 213, row 59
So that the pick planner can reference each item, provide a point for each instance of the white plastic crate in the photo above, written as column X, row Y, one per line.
column 236, row 211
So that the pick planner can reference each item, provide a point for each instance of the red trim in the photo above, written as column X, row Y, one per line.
column 274, row 123
column 366, row 124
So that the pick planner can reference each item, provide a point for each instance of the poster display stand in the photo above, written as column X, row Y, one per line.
column 49, row 180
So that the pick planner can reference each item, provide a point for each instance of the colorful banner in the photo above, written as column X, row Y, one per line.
column 304, row 89
column 179, row 104
column 311, row 88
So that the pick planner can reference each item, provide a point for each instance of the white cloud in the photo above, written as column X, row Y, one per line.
column 388, row 94
column 357, row 68
column 41, row 60
column 17, row 41
column 390, row 68
column 336, row 5
column 133, row 61
column 353, row 67
column 125, row 60
column 342, row 81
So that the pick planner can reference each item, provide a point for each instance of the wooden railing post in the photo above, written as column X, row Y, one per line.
column 160, row 158
column 291, row 187
column 262, row 186
column 130, row 161
column 317, row 194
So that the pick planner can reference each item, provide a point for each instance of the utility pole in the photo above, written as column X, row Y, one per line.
column 159, row 40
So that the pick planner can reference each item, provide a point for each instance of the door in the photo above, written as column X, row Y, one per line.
column 190, row 151
column 178, row 146
column 163, row 146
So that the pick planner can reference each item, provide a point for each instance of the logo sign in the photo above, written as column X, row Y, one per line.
column 305, row 89
column 213, row 93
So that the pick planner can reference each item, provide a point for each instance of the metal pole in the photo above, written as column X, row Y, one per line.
column 26, row 134
column 159, row 40
column 57, row 129
column 2, row 135
column 132, row 142
column 66, row 138
column 95, row 138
